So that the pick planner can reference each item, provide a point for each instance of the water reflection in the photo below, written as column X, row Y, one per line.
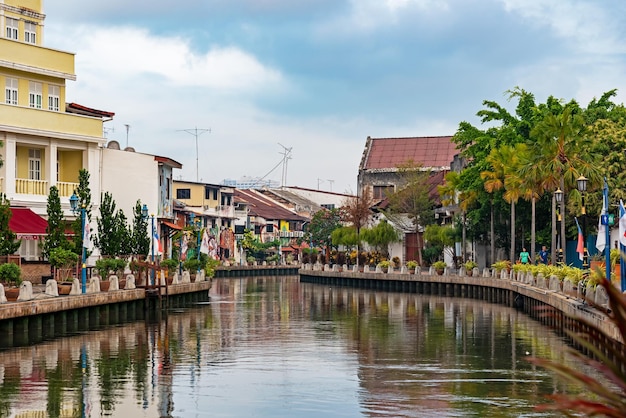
column 273, row 347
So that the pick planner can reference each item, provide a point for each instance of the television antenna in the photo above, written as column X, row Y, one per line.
column 331, row 184
column 286, row 157
column 196, row 132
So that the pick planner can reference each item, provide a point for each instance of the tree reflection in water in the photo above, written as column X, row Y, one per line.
column 276, row 347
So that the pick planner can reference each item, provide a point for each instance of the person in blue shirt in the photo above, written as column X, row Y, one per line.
column 543, row 255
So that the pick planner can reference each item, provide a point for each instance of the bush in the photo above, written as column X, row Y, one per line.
column 439, row 265
column 11, row 273
column 210, row 266
column 396, row 262
column 169, row 264
column 192, row 265
column 62, row 258
column 412, row 264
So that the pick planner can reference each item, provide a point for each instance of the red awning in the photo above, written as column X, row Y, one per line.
column 171, row 225
column 26, row 223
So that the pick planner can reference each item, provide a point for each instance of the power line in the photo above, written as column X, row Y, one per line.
column 196, row 132
column 286, row 157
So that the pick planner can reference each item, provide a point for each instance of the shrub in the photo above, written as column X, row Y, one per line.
column 412, row 264
column 384, row 264
column 396, row 262
column 62, row 258
column 439, row 265
column 210, row 266
column 191, row 264
column 470, row 265
column 169, row 264
column 11, row 273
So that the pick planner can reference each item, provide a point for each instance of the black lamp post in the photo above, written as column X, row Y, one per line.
column 74, row 200
column 581, row 184
column 558, row 196
column 144, row 215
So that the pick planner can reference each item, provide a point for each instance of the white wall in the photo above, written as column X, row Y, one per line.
column 128, row 177
column 320, row 197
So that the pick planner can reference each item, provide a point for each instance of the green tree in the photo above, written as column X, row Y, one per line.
column 55, row 231
column 346, row 236
column 357, row 212
column 9, row 243
column 441, row 238
column 381, row 236
column 322, row 224
column 83, row 192
column 139, row 238
column 112, row 228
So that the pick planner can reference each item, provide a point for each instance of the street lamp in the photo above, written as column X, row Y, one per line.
column 76, row 209
column 581, row 184
column 558, row 196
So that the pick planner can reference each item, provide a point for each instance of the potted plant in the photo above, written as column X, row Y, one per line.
column 250, row 259
column 470, row 265
column 64, row 263
column 170, row 265
column 384, row 265
column 501, row 265
column 411, row 265
column 439, row 266
column 11, row 275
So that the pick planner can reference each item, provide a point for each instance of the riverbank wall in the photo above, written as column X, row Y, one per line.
column 544, row 300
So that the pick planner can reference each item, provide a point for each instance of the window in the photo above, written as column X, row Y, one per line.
column 54, row 98
column 11, row 91
column 380, row 192
column 34, row 94
column 214, row 194
column 12, row 26
column 34, row 164
column 328, row 206
column 183, row 193
column 240, row 229
column 269, row 227
column 30, row 32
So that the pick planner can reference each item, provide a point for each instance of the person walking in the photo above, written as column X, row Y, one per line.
column 543, row 255
column 524, row 257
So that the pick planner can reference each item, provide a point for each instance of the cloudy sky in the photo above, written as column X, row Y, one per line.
column 317, row 77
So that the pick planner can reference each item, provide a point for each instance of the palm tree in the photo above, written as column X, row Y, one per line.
column 560, row 157
column 451, row 194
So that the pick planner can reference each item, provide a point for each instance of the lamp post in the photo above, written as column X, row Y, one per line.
column 558, row 195
column 76, row 209
column 581, row 184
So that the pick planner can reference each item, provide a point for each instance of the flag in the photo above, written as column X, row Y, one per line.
column 601, row 238
column 622, row 223
column 184, row 247
column 86, row 234
column 204, row 246
column 580, row 246
column 156, row 242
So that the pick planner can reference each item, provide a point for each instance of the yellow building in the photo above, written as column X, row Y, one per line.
column 46, row 140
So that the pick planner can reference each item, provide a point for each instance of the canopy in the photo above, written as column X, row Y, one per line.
column 27, row 224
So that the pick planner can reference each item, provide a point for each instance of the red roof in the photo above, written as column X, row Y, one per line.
column 84, row 110
column 435, row 152
column 26, row 222
column 261, row 205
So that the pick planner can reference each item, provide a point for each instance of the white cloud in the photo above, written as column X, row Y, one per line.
column 587, row 25
column 128, row 52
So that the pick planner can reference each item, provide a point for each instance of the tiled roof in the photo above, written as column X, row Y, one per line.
column 263, row 206
column 84, row 110
column 430, row 151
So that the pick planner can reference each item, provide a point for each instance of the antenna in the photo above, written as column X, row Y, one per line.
column 127, row 129
column 331, row 184
column 286, row 156
column 106, row 130
column 196, row 132
column 319, row 180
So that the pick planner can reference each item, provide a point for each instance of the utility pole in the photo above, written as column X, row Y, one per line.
column 196, row 132
column 127, row 129
column 331, row 184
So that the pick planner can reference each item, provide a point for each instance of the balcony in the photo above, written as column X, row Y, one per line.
column 36, row 59
column 26, row 186
column 44, row 122
column 66, row 188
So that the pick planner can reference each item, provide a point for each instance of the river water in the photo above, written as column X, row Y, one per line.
column 274, row 347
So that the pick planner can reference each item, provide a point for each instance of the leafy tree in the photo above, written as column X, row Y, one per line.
column 55, row 231
column 345, row 235
column 139, row 238
column 9, row 243
column 357, row 212
column 381, row 236
column 322, row 224
column 112, row 229
column 83, row 192
column 442, row 238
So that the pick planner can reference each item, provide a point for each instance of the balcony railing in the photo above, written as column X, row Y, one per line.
column 66, row 188
column 26, row 186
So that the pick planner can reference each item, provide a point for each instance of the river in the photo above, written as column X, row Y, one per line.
column 275, row 347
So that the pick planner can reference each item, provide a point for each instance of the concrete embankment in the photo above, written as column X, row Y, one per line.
column 532, row 295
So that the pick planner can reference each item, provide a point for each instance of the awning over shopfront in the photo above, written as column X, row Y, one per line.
column 27, row 224
column 171, row 225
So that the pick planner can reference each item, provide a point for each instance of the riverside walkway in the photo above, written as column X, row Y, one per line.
column 569, row 305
